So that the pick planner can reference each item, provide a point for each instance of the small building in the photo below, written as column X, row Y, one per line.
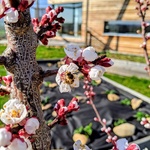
column 104, row 24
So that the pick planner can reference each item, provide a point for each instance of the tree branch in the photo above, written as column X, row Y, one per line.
column 48, row 73
column 53, row 123
column 2, row 60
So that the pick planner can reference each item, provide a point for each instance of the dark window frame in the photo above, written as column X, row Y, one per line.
column 69, row 28
column 123, row 28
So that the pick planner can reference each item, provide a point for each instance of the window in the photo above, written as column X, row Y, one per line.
column 73, row 19
column 123, row 28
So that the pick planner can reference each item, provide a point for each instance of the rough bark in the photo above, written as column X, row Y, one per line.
column 20, row 61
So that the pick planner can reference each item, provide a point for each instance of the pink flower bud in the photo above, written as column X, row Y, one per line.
column 104, row 121
column 48, row 9
column 96, row 119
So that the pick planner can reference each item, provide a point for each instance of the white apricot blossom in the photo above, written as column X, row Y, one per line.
column 78, row 146
column 11, row 15
column 89, row 54
column 96, row 72
column 5, row 137
column 31, row 125
column 18, row 144
column 14, row 112
column 66, row 77
column 73, row 51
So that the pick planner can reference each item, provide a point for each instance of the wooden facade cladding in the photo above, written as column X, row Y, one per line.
column 107, row 10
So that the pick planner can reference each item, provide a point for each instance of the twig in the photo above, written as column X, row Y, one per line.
column 142, row 14
column 48, row 73
column 2, row 60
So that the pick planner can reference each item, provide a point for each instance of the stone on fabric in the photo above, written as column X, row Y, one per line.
column 124, row 130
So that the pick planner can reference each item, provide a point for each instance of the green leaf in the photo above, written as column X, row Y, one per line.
column 126, row 101
column 119, row 122
column 139, row 115
column 88, row 129
column 110, row 92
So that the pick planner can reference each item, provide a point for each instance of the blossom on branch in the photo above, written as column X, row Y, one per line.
column 13, row 112
column 78, row 146
column 66, row 77
column 32, row 124
column 89, row 54
column 18, row 144
column 122, row 144
column 11, row 15
column 5, row 137
column 96, row 72
column 73, row 51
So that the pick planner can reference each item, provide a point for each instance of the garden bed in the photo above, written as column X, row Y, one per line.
column 111, row 111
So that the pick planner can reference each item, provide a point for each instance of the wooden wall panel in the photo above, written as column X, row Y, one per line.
column 105, row 10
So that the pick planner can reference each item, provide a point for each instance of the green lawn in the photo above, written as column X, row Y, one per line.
column 134, row 58
column 138, row 84
column 45, row 52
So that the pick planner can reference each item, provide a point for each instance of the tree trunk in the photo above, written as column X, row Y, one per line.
column 27, row 75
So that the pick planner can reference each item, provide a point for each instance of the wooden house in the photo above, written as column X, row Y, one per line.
column 104, row 24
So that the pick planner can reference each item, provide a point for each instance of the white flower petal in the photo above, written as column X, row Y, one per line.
column 96, row 72
column 31, row 125
column 89, row 54
column 73, row 51
column 11, row 16
column 122, row 144
column 62, row 69
column 77, row 145
column 73, row 68
column 5, row 137
column 58, row 79
column 64, row 87
column 17, row 144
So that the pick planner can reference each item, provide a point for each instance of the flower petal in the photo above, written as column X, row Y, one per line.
column 64, row 87
column 76, row 81
column 96, row 72
column 73, row 51
column 73, row 68
column 89, row 54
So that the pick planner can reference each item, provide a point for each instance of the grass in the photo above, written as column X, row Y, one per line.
column 44, row 52
column 138, row 84
column 133, row 58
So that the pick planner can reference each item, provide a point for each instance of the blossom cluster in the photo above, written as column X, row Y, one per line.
column 19, row 128
column 11, row 14
column 85, row 61
column 49, row 24
column 62, row 110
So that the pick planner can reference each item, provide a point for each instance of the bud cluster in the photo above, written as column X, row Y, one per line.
column 62, row 110
column 49, row 24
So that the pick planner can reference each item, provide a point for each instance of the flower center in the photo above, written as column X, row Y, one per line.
column 15, row 113
column 69, row 78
